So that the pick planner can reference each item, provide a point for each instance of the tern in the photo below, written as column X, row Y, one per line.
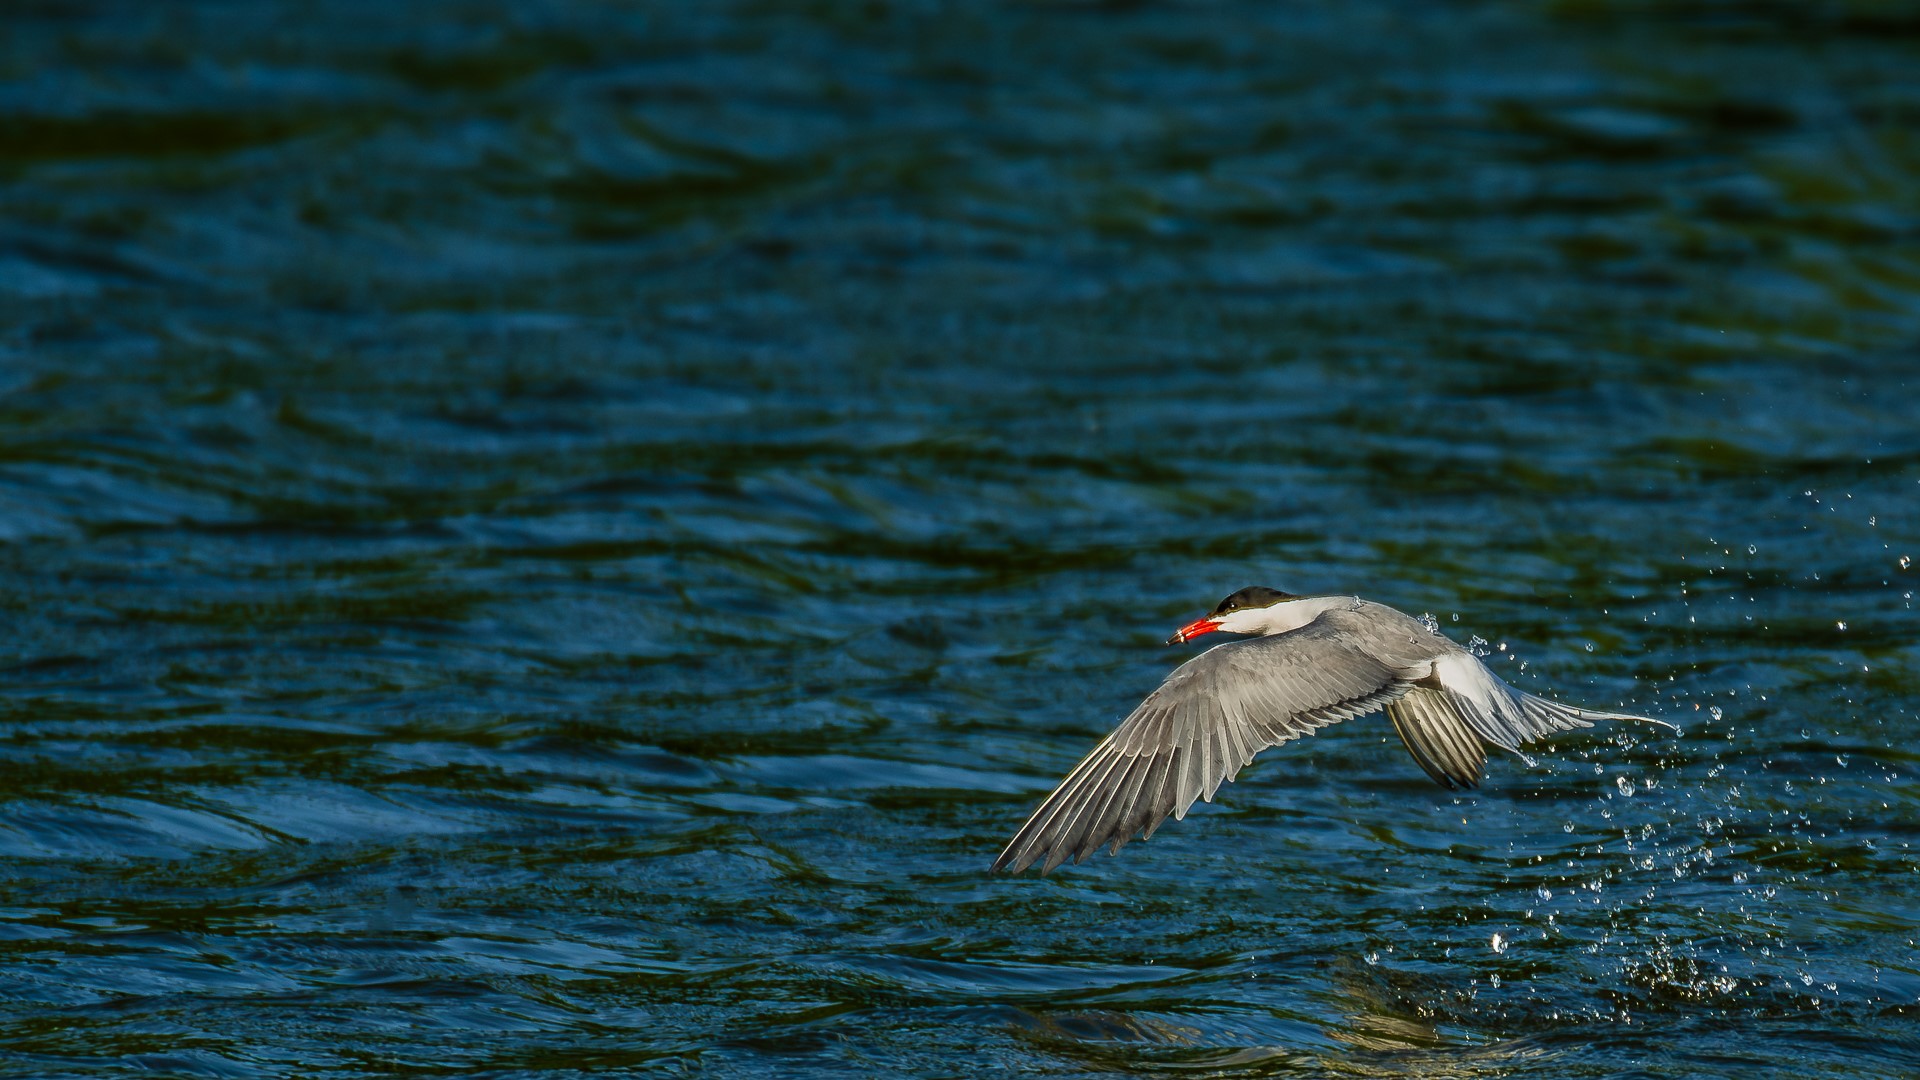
column 1310, row 661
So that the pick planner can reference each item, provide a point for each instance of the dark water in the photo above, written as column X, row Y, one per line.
column 559, row 539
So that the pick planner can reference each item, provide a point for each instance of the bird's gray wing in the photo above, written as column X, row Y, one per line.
column 1209, row 718
column 1497, row 712
column 1428, row 720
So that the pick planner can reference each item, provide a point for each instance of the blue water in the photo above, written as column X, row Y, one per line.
column 560, row 539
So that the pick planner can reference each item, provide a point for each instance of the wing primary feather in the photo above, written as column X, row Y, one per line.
column 1438, row 738
column 1020, row 848
column 1469, row 760
column 1126, row 792
column 1120, row 812
column 1403, row 725
column 1206, row 767
column 1219, row 763
column 1167, row 793
column 1186, row 790
column 1074, row 816
column 1081, row 834
column 1140, row 811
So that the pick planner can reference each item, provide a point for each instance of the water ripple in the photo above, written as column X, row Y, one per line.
column 563, row 539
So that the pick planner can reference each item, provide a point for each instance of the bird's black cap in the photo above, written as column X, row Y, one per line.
column 1251, row 596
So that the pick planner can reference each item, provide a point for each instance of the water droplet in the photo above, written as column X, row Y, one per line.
column 1589, row 646
column 1372, row 957
column 1625, row 785
column 1842, row 624
column 1753, row 549
column 1543, row 893
column 1568, row 827
column 1431, row 624
column 1499, row 943
column 1714, row 711
column 1495, row 979
column 1906, row 561
column 1456, row 616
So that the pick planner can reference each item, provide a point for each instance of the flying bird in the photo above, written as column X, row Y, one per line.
column 1309, row 661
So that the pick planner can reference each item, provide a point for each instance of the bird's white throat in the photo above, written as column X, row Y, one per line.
column 1281, row 617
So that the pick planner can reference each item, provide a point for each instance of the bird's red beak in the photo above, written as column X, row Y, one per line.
column 1193, row 630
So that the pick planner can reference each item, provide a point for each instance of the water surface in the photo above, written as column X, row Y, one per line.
column 561, row 539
